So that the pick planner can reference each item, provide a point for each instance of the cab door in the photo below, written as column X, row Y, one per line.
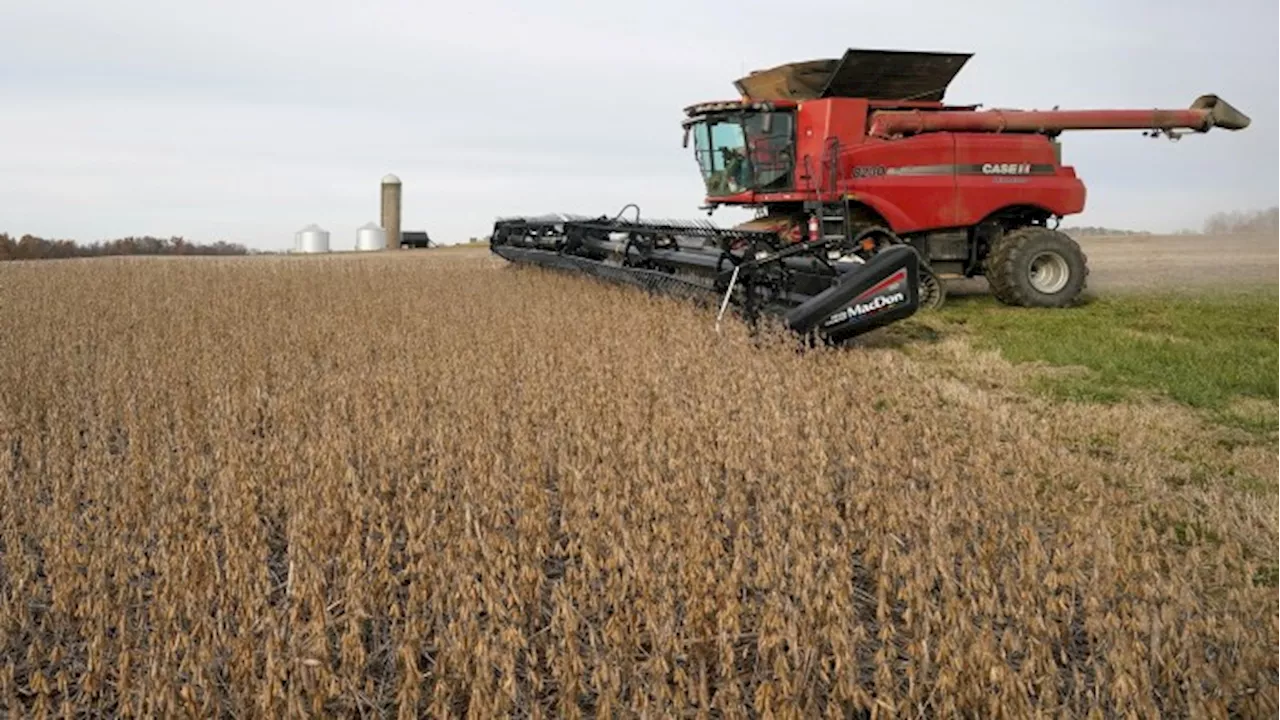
column 771, row 150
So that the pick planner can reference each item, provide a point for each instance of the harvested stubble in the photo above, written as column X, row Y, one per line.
column 428, row 486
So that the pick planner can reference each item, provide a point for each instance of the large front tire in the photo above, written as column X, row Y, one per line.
column 1036, row 267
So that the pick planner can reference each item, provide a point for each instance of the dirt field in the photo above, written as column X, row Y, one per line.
column 1169, row 262
column 1120, row 263
column 415, row 485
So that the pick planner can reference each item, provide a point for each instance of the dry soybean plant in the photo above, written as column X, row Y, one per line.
column 433, row 486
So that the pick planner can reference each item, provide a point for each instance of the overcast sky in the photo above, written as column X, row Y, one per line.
column 245, row 121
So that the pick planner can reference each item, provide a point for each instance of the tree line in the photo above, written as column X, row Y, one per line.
column 1220, row 223
column 30, row 247
column 1086, row 230
column 1236, row 221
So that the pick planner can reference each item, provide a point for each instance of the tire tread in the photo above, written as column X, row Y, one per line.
column 1002, row 263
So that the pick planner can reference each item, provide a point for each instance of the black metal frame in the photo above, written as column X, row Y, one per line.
column 753, row 270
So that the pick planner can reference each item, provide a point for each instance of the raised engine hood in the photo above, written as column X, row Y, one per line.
column 870, row 74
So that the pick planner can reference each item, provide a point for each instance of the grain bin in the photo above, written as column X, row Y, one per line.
column 313, row 239
column 371, row 237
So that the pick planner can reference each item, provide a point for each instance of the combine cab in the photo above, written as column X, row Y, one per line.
column 869, row 191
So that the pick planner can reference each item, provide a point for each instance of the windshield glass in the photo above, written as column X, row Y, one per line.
column 736, row 153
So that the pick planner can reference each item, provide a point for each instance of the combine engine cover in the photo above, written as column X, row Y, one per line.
column 816, row 290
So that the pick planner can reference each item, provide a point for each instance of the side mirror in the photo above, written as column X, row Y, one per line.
column 685, row 142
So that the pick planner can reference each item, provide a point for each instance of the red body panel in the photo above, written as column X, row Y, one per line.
column 1050, row 186
column 921, row 193
column 929, row 181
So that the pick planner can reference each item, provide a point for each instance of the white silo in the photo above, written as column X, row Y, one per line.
column 371, row 237
column 313, row 239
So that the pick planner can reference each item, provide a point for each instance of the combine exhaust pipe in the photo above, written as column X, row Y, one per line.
column 1208, row 111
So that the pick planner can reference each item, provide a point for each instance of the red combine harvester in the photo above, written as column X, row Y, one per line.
column 869, row 190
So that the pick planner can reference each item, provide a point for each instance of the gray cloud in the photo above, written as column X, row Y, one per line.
column 247, row 120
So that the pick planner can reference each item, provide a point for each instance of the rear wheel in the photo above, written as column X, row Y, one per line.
column 1036, row 267
column 932, row 294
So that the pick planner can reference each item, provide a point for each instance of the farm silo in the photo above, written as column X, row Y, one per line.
column 371, row 237
column 313, row 239
column 391, row 193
